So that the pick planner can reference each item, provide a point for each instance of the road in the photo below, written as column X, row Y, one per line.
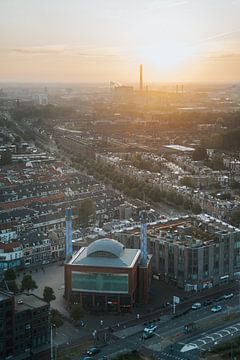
column 169, row 337
column 169, row 332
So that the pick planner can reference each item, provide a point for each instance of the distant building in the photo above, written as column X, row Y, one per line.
column 107, row 276
column 24, row 327
column 123, row 94
column 40, row 99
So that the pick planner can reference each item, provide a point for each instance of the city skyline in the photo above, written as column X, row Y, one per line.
column 102, row 40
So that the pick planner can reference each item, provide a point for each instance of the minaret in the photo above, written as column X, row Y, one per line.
column 68, row 244
column 143, row 239
column 141, row 77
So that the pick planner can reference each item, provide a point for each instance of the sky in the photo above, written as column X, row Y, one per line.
column 76, row 41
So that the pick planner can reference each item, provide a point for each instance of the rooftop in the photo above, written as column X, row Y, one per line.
column 106, row 253
column 28, row 301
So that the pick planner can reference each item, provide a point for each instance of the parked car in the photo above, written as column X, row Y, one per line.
column 216, row 308
column 228, row 296
column 196, row 306
column 207, row 302
column 93, row 351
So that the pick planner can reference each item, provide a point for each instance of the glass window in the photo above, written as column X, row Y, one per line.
column 100, row 282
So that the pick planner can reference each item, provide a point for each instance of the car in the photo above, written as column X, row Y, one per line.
column 228, row 296
column 196, row 306
column 149, row 328
column 20, row 301
column 216, row 308
column 220, row 298
column 207, row 302
column 147, row 334
column 93, row 351
column 45, row 262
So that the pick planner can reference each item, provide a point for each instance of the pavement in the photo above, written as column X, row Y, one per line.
column 127, row 328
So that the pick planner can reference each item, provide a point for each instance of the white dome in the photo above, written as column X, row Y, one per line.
column 113, row 247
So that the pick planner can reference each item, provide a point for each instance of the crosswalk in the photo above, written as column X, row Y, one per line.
column 169, row 356
column 215, row 337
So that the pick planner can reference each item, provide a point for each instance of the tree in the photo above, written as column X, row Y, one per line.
column 86, row 211
column 28, row 283
column 12, row 286
column 6, row 157
column 187, row 181
column 199, row 154
column 9, row 274
column 76, row 312
column 196, row 208
column 56, row 318
column 48, row 294
column 235, row 218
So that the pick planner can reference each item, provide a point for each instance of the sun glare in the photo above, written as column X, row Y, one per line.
column 167, row 55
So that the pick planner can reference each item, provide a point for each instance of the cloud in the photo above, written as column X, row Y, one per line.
column 225, row 57
column 219, row 36
column 33, row 51
column 64, row 50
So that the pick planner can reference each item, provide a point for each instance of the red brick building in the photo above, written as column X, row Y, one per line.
column 107, row 276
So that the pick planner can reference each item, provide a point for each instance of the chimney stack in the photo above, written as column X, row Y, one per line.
column 141, row 77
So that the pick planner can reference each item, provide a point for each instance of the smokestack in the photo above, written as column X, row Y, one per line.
column 141, row 77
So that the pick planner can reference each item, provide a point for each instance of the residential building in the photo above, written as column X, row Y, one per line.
column 11, row 255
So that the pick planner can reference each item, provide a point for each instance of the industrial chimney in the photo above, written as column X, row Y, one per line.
column 141, row 77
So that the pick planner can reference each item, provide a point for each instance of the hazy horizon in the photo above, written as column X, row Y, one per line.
column 74, row 42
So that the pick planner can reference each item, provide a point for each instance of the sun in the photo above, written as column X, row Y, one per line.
column 167, row 55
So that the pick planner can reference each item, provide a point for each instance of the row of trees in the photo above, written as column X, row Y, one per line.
column 227, row 140
column 133, row 187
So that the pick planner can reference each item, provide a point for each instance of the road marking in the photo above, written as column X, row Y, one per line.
column 201, row 340
column 218, row 334
column 225, row 330
column 210, row 337
column 234, row 328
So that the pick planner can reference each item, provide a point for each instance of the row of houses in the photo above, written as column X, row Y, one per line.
column 32, row 248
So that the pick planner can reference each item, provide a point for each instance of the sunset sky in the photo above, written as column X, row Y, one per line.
column 102, row 40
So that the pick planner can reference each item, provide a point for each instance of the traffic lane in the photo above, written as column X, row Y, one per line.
column 177, row 326
column 211, row 338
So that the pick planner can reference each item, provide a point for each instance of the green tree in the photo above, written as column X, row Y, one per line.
column 235, row 218
column 10, row 274
column 48, row 294
column 76, row 312
column 56, row 318
column 87, row 211
column 12, row 286
column 28, row 283
column 6, row 157
column 199, row 154
column 196, row 208
column 187, row 181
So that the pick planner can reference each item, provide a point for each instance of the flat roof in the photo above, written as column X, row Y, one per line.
column 28, row 302
column 127, row 259
column 179, row 147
